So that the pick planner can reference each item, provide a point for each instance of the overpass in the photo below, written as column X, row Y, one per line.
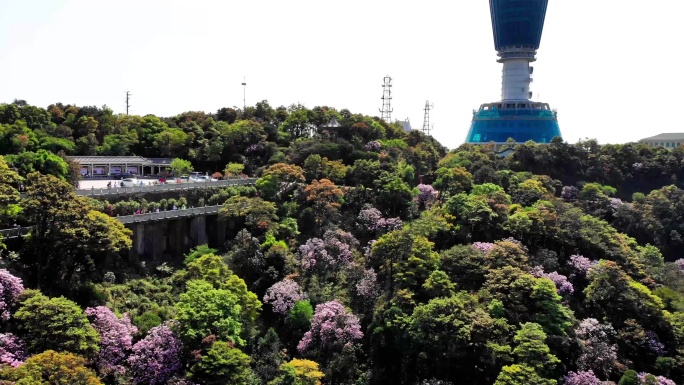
column 17, row 232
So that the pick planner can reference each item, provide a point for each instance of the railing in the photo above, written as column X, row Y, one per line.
column 163, row 187
column 15, row 232
column 169, row 214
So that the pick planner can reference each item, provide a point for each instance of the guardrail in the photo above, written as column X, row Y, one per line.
column 17, row 232
column 163, row 187
column 169, row 214
column 14, row 232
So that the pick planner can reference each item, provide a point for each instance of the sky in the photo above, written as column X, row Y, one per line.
column 612, row 68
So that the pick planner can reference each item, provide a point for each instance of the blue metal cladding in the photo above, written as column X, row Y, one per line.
column 517, row 22
column 521, row 125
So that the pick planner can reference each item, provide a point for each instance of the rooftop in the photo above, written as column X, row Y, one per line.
column 132, row 160
column 667, row 136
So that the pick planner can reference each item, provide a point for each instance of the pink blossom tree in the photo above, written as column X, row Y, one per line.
column 647, row 378
column 283, row 295
column 581, row 378
column 155, row 358
column 12, row 350
column 332, row 325
column 10, row 288
column 116, row 338
column 598, row 353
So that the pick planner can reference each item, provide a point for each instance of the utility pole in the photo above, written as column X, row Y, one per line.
column 128, row 105
column 244, row 94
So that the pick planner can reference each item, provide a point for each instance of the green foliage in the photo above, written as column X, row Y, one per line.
column 49, row 368
column 203, row 310
column 223, row 364
column 521, row 375
column 299, row 372
column 57, row 324
column 197, row 252
column 180, row 166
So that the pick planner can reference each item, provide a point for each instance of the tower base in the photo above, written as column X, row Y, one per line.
column 520, row 120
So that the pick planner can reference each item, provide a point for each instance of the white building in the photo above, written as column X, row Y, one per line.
column 669, row 141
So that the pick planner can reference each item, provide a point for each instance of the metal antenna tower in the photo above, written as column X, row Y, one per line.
column 128, row 105
column 386, row 111
column 426, row 117
column 244, row 94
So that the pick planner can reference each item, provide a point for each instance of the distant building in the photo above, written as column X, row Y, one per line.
column 117, row 165
column 331, row 128
column 669, row 141
column 405, row 124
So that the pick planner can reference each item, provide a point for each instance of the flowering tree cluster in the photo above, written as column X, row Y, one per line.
column 331, row 325
column 598, row 353
column 649, row 379
column 427, row 194
column 563, row 286
column 116, row 338
column 580, row 265
column 12, row 350
column 569, row 193
column 373, row 145
column 680, row 264
column 334, row 250
column 371, row 219
column 283, row 295
column 581, row 378
column 654, row 343
column 368, row 285
column 10, row 288
column 615, row 204
column 155, row 358
column 483, row 246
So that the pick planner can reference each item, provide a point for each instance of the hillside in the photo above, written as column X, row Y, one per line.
column 363, row 255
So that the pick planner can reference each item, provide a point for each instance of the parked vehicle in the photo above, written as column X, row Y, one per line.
column 204, row 178
column 130, row 182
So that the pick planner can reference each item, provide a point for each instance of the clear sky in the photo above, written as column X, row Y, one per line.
column 612, row 68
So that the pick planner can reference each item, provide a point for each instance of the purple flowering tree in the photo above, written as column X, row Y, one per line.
column 368, row 288
column 332, row 325
column 427, row 194
column 581, row 378
column 680, row 264
column 569, row 193
column 373, row 145
column 580, row 265
column 10, row 288
column 645, row 377
column 563, row 286
column 371, row 219
column 333, row 251
column 12, row 350
column 654, row 343
column 598, row 354
column 116, row 338
column 483, row 246
column 283, row 295
column 155, row 358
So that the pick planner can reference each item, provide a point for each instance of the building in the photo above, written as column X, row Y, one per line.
column 669, row 141
column 517, row 27
column 405, row 125
column 116, row 165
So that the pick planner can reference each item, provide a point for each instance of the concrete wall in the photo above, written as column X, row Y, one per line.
column 170, row 240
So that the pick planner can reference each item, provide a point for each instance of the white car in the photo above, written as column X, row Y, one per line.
column 203, row 178
column 130, row 182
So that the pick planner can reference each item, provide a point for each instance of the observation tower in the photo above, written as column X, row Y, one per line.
column 517, row 26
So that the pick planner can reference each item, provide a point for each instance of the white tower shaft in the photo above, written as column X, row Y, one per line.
column 516, row 74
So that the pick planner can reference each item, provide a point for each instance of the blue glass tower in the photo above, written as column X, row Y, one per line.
column 517, row 26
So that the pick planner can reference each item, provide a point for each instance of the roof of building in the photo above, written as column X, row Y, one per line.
column 132, row 160
column 333, row 123
column 667, row 136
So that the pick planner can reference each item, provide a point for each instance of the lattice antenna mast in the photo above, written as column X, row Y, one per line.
column 386, row 111
column 426, row 117
column 128, row 97
column 244, row 94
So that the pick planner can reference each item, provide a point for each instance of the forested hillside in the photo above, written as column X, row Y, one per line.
column 363, row 255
